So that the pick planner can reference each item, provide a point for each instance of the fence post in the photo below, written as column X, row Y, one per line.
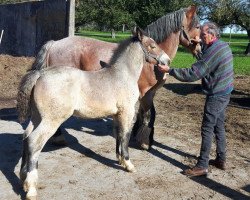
column 1, row 36
column 71, row 17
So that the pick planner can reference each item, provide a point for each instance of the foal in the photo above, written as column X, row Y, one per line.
column 51, row 95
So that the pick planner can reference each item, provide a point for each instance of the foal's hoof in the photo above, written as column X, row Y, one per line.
column 31, row 194
column 58, row 140
column 131, row 169
column 128, row 166
column 31, row 198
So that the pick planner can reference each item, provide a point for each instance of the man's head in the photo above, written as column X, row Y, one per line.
column 209, row 32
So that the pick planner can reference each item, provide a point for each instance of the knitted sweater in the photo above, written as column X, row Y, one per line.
column 215, row 69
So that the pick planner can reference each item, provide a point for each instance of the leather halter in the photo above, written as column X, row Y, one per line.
column 186, row 41
column 150, row 55
column 184, row 37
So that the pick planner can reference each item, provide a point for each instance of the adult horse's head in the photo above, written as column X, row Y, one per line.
column 179, row 27
column 190, row 32
column 153, row 53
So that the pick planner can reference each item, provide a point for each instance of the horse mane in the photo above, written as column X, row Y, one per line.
column 167, row 24
column 120, row 49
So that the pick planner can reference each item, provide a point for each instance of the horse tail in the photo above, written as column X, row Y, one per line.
column 24, row 94
column 41, row 60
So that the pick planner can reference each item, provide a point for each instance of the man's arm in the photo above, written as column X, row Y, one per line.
column 196, row 72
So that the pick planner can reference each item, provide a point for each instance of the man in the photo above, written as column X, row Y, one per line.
column 215, row 68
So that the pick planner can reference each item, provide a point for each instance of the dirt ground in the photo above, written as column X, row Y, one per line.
column 87, row 169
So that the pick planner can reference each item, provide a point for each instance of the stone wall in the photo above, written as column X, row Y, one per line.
column 27, row 26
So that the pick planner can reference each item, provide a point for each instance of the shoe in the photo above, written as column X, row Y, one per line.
column 196, row 171
column 220, row 164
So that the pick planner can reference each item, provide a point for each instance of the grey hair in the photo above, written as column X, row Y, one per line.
column 212, row 28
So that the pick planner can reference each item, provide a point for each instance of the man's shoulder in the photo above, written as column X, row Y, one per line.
column 221, row 43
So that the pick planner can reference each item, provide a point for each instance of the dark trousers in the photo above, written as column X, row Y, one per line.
column 213, row 124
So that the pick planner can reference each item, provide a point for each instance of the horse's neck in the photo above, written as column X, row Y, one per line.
column 170, row 44
column 130, row 62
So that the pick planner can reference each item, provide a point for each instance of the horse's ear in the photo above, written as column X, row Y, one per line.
column 191, row 10
column 134, row 30
column 138, row 33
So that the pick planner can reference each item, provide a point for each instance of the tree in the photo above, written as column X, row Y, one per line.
column 146, row 12
column 227, row 12
column 106, row 14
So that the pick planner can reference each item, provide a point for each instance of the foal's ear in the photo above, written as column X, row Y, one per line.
column 138, row 32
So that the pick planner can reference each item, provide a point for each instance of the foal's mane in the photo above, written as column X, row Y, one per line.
column 167, row 24
column 121, row 48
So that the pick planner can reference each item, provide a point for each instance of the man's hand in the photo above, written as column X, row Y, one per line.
column 163, row 68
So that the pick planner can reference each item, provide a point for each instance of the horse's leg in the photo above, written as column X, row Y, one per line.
column 125, row 121
column 144, row 126
column 35, row 141
column 23, row 170
column 115, row 133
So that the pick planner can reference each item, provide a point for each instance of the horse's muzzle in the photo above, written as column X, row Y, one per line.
column 163, row 59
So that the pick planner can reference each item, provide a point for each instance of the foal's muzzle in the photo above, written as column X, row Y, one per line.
column 163, row 59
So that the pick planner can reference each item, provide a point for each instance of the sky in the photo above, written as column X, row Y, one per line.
column 227, row 30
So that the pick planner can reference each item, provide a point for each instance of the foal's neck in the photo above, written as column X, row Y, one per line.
column 130, row 61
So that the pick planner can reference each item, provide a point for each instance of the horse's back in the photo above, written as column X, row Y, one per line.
column 81, row 52
column 67, row 90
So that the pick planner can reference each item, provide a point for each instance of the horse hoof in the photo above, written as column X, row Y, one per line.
column 31, row 193
column 129, row 166
column 59, row 140
column 131, row 169
column 31, row 198
column 145, row 146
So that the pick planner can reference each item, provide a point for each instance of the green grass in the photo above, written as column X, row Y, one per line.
column 183, row 58
column 105, row 36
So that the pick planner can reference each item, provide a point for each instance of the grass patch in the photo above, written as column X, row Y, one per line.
column 238, row 44
column 105, row 36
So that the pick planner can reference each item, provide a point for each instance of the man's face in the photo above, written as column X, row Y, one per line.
column 206, row 37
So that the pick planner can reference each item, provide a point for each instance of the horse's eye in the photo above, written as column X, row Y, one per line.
column 153, row 47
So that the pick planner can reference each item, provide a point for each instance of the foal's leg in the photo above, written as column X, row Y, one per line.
column 35, row 142
column 115, row 133
column 23, row 170
column 126, row 120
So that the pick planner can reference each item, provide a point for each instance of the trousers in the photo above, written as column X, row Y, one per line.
column 213, row 124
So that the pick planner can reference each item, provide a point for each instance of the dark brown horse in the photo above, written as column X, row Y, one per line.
column 179, row 27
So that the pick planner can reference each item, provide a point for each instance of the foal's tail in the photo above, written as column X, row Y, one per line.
column 41, row 60
column 24, row 94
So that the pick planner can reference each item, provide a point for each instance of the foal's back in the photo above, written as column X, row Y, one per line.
column 86, row 94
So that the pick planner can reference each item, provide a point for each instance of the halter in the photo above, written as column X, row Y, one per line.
column 150, row 55
column 184, row 35
column 185, row 39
